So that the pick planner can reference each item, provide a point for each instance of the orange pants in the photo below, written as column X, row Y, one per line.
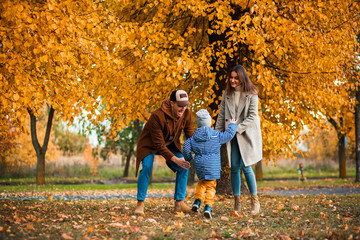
column 207, row 187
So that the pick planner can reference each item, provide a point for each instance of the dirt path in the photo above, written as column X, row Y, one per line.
column 117, row 195
column 317, row 191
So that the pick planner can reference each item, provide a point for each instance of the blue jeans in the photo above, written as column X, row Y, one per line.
column 236, row 163
column 145, row 172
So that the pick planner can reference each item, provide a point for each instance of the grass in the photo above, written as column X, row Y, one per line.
column 286, row 172
column 82, row 173
column 326, row 182
column 295, row 217
column 76, row 187
column 262, row 185
column 290, row 217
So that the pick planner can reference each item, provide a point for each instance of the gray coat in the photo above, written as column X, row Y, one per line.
column 248, row 132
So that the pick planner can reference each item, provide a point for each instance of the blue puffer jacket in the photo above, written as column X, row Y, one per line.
column 206, row 143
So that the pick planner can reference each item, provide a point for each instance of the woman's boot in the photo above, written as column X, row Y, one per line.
column 255, row 204
column 237, row 203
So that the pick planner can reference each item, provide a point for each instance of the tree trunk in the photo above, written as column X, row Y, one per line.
column 191, row 176
column 40, row 169
column 341, row 146
column 258, row 171
column 357, row 136
column 224, row 184
column 127, row 163
column 342, row 158
column 40, row 150
column 221, row 68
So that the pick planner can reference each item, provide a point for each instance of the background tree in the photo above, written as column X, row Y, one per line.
column 125, row 143
column 121, row 53
column 8, row 135
column 293, row 52
column 343, row 127
column 20, row 153
column 354, row 76
column 69, row 142
column 49, row 53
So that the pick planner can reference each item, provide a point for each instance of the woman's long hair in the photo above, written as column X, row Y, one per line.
column 245, row 83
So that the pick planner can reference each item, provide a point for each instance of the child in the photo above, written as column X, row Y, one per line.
column 301, row 173
column 206, row 143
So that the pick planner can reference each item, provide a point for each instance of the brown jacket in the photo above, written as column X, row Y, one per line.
column 157, row 131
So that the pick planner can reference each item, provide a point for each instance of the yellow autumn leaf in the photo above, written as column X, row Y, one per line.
column 178, row 224
column 168, row 229
column 180, row 214
column 280, row 207
column 295, row 207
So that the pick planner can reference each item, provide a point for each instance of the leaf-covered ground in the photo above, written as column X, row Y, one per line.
column 295, row 217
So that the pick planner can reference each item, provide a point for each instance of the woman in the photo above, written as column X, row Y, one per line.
column 240, row 101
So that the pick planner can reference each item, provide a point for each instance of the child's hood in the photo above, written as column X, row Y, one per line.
column 202, row 134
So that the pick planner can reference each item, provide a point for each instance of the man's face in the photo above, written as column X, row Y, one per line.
column 177, row 110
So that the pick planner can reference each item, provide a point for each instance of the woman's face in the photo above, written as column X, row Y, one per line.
column 234, row 80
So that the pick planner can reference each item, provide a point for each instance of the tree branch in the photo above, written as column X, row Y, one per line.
column 48, row 129
column 34, row 139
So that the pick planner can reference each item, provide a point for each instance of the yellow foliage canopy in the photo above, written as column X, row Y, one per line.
column 129, row 55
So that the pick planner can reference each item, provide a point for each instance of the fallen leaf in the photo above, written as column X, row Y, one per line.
column 117, row 225
column 323, row 215
column 1, row 228
column 168, row 229
column 134, row 229
column 347, row 214
column 180, row 214
column 178, row 224
column 76, row 226
column 153, row 221
column 295, row 207
column 236, row 214
column 30, row 227
column 280, row 207
column 223, row 218
column 215, row 234
column 67, row 237
column 89, row 229
column 346, row 219
column 60, row 215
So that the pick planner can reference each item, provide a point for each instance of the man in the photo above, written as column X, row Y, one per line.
column 161, row 136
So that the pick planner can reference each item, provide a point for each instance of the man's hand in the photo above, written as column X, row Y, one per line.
column 181, row 162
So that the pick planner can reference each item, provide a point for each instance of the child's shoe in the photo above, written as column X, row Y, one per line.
column 207, row 211
column 196, row 205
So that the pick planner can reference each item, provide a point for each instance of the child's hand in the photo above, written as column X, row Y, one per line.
column 232, row 121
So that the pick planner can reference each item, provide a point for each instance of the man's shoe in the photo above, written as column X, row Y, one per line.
column 196, row 205
column 180, row 206
column 140, row 208
column 207, row 211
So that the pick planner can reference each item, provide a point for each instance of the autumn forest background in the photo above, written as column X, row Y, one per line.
column 79, row 79
column 71, row 69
